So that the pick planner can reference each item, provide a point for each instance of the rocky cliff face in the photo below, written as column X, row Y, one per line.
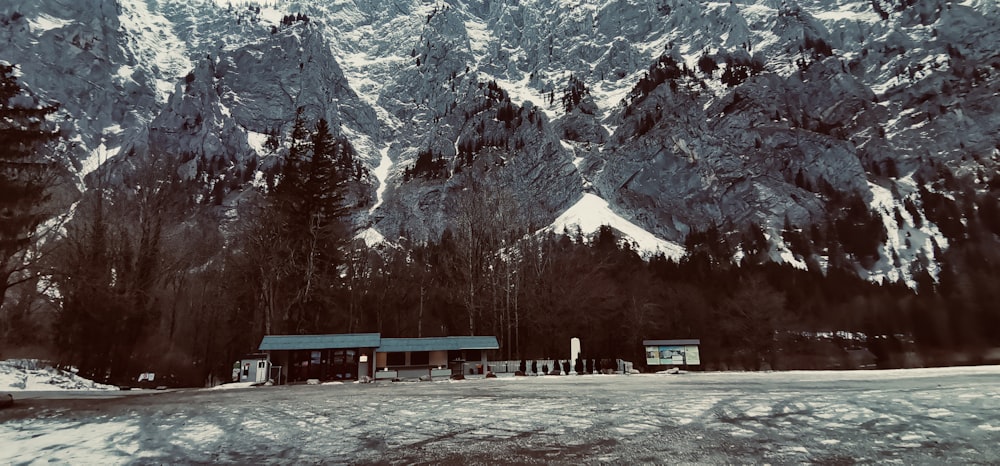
column 683, row 115
column 222, row 113
column 68, row 52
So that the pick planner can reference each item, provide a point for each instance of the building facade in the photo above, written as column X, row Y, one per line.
column 352, row 356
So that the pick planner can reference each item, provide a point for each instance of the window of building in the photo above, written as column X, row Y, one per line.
column 420, row 358
column 395, row 359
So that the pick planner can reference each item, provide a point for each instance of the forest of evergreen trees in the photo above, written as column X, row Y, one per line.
column 144, row 278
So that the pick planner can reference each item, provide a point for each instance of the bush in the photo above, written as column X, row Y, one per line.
column 428, row 165
column 707, row 64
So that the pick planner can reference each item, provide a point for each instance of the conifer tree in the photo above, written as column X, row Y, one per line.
column 308, row 206
column 27, row 174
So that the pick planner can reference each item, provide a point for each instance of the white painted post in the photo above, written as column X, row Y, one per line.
column 574, row 351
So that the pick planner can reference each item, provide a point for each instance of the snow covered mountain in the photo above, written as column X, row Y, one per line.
column 865, row 130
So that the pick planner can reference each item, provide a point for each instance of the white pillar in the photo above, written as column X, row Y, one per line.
column 574, row 351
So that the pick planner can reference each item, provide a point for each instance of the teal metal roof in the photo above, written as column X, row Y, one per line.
column 314, row 342
column 375, row 340
column 398, row 345
column 670, row 342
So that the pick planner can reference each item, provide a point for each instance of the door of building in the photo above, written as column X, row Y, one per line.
column 316, row 362
column 344, row 364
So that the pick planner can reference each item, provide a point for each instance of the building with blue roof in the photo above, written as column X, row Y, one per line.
column 352, row 356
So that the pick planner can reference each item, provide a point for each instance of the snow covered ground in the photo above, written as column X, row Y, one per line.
column 33, row 375
column 911, row 416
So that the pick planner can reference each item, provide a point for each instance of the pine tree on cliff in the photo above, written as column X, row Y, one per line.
column 27, row 173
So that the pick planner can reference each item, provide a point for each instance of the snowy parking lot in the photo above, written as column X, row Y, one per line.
column 909, row 416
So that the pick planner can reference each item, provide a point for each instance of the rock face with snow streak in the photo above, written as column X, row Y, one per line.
column 735, row 159
column 68, row 52
column 220, row 110
column 776, row 105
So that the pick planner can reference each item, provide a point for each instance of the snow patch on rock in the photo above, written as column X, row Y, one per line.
column 370, row 236
column 591, row 212
column 381, row 173
column 159, row 48
column 46, row 22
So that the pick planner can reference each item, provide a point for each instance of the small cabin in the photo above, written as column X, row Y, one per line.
column 252, row 368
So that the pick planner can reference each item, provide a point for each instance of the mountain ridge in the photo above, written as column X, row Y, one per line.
column 690, row 115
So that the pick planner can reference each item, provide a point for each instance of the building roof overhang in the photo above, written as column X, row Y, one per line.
column 399, row 345
column 375, row 340
column 693, row 341
column 313, row 342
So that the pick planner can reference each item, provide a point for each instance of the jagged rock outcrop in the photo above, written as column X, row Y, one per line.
column 484, row 135
column 223, row 113
column 69, row 53
column 255, row 90
column 759, row 154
